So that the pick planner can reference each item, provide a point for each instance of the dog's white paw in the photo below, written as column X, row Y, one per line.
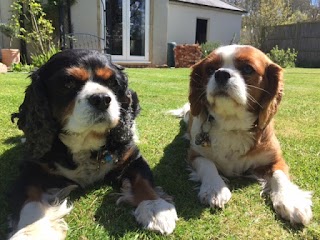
column 293, row 204
column 40, row 220
column 157, row 215
column 289, row 201
column 215, row 196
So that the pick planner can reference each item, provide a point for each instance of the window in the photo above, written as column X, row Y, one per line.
column 201, row 30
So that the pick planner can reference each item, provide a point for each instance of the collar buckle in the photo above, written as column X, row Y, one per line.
column 103, row 156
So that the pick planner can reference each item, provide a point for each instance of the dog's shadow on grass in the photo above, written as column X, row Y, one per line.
column 9, row 162
column 171, row 174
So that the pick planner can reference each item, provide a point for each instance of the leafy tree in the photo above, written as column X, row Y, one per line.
column 315, row 10
column 262, row 15
column 300, row 5
column 29, row 17
column 52, row 8
column 10, row 31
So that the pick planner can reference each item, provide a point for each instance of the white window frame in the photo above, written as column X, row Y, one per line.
column 126, row 34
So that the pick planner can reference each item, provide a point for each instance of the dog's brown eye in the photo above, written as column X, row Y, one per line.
column 247, row 69
column 70, row 84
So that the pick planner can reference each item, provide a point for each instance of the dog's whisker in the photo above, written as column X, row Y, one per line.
column 254, row 100
column 200, row 96
column 252, row 86
column 197, row 81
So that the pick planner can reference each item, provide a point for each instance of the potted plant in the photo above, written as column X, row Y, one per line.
column 10, row 55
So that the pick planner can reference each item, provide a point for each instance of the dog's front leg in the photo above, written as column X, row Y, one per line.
column 288, row 200
column 153, row 210
column 213, row 190
column 38, row 204
column 43, row 218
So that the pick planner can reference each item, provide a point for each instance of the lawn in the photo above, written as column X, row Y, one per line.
column 246, row 216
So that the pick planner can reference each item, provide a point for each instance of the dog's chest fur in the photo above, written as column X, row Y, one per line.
column 88, row 168
column 228, row 148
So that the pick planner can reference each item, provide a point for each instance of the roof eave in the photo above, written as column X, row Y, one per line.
column 242, row 11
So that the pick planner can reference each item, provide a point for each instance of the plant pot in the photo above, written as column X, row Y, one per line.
column 10, row 56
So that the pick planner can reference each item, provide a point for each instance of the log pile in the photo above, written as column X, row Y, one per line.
column 186, row 55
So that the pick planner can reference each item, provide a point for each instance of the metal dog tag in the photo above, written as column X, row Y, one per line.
column 203, row 139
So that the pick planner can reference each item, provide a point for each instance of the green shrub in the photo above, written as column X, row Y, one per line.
column 20, row 67
column 39, row 59
column 285, row 58
column 208, row 47
column 9, row 30
column 36, row 29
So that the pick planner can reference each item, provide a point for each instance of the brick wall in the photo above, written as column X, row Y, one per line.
column 187, row 55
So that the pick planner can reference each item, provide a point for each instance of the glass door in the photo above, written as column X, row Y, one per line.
column 128, row 26
column 114, row 27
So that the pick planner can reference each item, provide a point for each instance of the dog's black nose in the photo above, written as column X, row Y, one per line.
column 100, row 101
column 221, row 77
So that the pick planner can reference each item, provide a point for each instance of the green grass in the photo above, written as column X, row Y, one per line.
column 246, row 216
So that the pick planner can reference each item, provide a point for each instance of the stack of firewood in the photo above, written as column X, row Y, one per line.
column 186, row 55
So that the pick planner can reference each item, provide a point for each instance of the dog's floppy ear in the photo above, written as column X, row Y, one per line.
column 35, row 118
column 273, row 95
column 122, row 134
column 134, row 103
column 121, row 76
column 197, row 87
column 130, row 98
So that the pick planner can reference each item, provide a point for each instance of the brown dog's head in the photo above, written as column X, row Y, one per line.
column 236, row 79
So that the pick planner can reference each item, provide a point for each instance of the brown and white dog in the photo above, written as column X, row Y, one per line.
column 78, row 117
column 234, row 94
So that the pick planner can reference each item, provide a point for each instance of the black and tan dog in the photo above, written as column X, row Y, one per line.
column 78, row 119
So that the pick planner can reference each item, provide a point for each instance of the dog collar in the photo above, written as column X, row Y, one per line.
column 203, row 137
column 104, row 156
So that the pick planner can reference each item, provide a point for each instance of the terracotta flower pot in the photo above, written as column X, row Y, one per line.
column 10, row 56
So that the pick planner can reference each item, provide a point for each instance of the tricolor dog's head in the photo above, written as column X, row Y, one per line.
column 234, row 80
column 76, row 91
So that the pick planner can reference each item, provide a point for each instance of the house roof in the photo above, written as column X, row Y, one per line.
column 212, row 3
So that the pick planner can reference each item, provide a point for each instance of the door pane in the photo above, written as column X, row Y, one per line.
column 114, row 16
column 137, row 27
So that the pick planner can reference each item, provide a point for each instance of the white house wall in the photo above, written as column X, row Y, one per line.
column 5, row 15
column 182, row 19
column 84, row 17
column 158, row 31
